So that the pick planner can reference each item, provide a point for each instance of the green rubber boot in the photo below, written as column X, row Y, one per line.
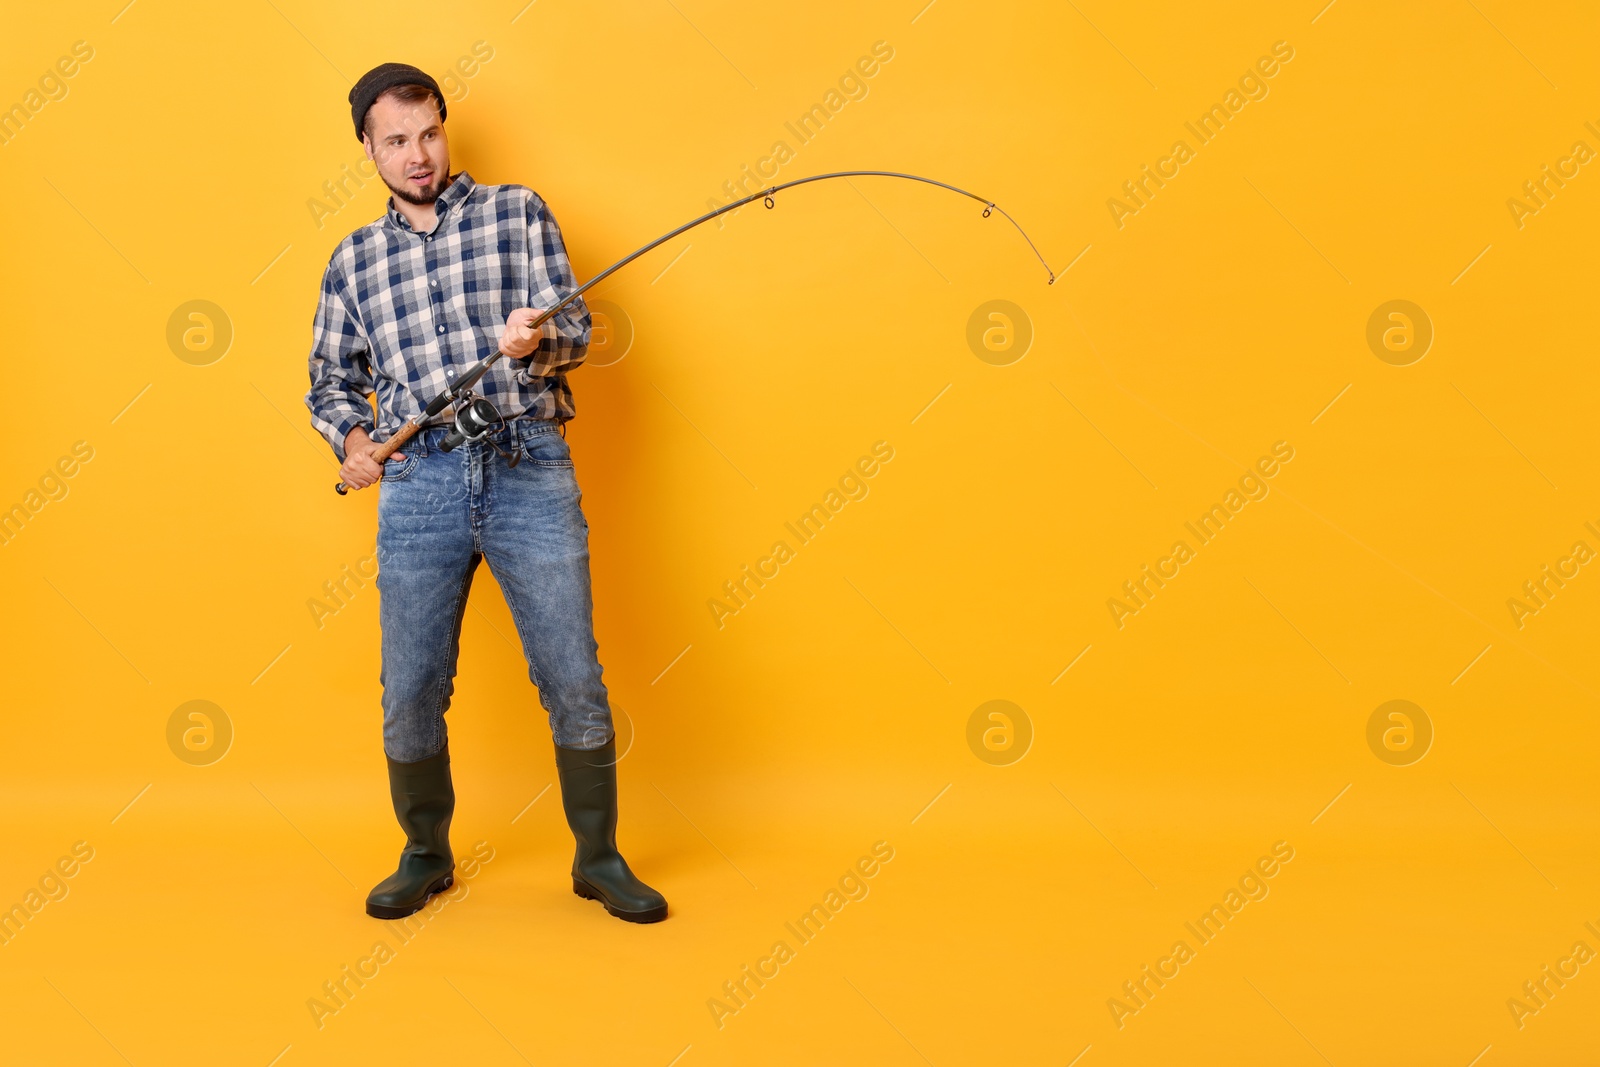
column 423, row 802
column 589, row 795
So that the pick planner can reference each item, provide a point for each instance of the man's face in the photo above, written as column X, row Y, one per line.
column 408, row 143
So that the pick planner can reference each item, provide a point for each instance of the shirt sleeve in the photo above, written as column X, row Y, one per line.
column 340, row 365
column 566, row 334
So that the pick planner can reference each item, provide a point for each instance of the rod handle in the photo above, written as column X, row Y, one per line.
column 387, row 448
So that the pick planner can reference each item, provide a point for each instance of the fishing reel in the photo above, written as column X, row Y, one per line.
column 475, row 419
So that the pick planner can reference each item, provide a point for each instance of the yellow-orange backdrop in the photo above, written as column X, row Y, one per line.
column 1420, row 462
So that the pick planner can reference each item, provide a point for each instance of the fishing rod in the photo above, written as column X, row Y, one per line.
column 478, row 417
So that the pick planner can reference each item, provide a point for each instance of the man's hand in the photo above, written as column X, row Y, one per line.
column 520, row 338
column 360, row 469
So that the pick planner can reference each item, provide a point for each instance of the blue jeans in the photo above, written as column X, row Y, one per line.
column 439, row 514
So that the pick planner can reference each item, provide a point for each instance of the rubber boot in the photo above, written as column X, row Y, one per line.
column 589, row 795
column 424, row 800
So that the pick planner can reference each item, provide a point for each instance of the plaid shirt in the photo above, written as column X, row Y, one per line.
column 402, row 313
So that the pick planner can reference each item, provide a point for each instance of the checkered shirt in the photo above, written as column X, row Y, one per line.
column 402, row 313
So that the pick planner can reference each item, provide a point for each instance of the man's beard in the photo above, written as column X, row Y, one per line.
column 422, row 199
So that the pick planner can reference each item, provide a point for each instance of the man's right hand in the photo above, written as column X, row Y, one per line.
column 360, row 469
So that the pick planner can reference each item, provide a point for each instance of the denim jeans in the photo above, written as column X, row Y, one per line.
column 441, row 513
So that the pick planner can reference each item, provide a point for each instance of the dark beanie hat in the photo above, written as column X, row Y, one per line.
column 375, row 82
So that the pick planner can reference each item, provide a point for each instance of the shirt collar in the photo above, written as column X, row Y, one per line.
column 454, row 194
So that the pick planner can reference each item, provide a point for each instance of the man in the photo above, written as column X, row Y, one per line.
column 453, row 270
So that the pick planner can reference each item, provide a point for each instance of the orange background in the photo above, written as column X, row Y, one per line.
column 832, row 712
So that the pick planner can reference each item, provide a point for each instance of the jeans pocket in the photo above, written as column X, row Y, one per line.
column 398, row 470
column 545, row 447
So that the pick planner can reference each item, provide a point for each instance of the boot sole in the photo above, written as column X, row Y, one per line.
column 386, row 911
column 588, row 892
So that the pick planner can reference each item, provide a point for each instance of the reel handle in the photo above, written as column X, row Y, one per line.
column 406, row 432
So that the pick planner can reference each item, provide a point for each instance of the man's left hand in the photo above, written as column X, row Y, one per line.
column 520, row 337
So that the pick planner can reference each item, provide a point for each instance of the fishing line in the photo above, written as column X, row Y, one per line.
column 471, row 428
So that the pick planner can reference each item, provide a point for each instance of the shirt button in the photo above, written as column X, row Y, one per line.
column 441, row 329
column 434, row 283
column 428, row 238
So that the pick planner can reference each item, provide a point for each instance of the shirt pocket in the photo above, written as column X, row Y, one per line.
column 493, row 284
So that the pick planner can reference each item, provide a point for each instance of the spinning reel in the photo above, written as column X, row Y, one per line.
column 475, row 419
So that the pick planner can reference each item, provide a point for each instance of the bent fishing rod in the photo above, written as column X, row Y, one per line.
column 477, row 417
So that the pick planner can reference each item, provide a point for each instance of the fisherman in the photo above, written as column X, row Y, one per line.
column 452, row 270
